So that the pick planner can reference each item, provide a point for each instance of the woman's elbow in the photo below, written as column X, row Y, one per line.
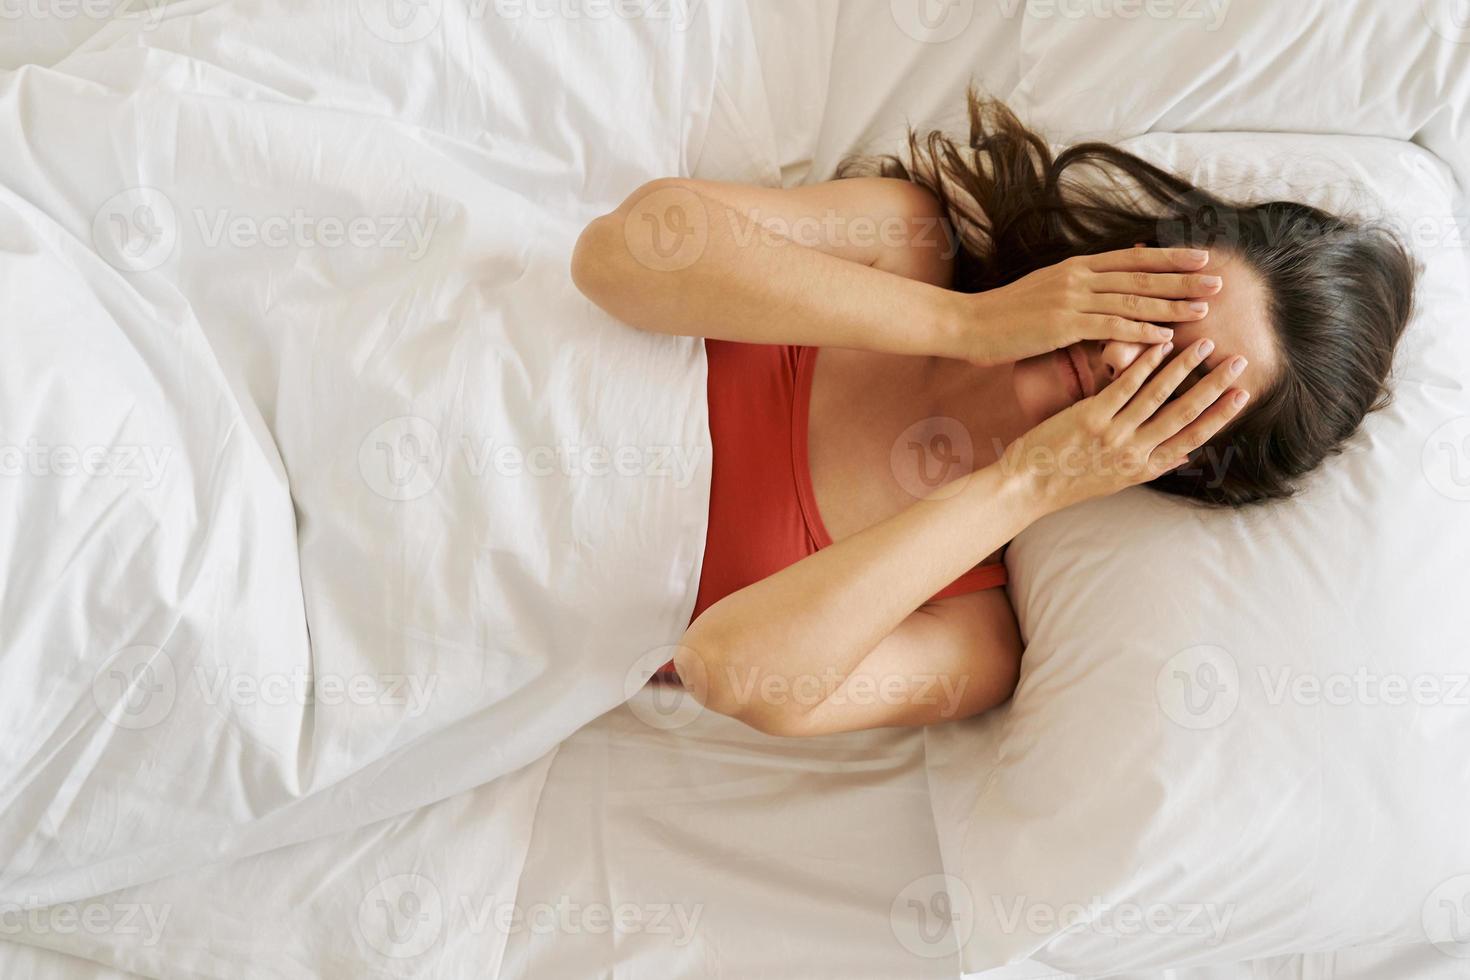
column 705, row 674
column 605, row 263
column 713, row 680
column 594, row 261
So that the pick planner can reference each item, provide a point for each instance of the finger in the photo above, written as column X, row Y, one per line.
column 1162, row 385
column 1160, row 285
column 1172, row 419
column 1209, row 424
column 1144, row 259
column 1099, row 327
column 1115, row 396
column 1132, row 306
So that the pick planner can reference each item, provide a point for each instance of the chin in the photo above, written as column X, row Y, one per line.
column 1041, row 387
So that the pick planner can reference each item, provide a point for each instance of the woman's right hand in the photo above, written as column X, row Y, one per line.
column 1129, row 433
column 1129, row 295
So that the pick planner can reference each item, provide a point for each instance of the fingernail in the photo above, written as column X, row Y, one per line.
column 1200, row 308
column 1168, row 347
column 1241, row 397
column 1238, row 365
column 1196, row 256
column 1206, row 348
column 1166, row 334
column 1212, row 282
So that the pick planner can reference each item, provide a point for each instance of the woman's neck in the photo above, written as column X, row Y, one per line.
column 982, row 398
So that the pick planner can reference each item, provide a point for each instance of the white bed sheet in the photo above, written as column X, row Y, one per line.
column 36, row 963
column 759, row 831
column 790, row 858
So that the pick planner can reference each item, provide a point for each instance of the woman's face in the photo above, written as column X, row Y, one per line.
column 1237, row 322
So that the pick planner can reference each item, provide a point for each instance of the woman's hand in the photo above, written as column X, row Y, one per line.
column 1120, row 295
column 1129, row 433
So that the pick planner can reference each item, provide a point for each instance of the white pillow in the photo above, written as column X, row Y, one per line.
column 1249, row 727
column 1116, row 68
column 848, row 77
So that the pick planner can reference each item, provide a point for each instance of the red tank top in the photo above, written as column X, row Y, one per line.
column 762, row 510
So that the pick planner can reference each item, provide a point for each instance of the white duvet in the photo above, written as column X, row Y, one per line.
column 325, row 496
column 336, row 452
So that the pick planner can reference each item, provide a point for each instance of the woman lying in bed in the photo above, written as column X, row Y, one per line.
column 889, row 409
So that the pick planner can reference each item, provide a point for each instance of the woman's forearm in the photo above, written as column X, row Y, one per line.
column 824, row 614
column 673, row 260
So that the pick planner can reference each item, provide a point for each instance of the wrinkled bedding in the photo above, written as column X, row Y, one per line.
column 327, row 496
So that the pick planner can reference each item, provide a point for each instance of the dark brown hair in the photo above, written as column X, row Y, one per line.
column 1339, row 291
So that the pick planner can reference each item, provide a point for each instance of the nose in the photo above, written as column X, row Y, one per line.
column 1117, row 355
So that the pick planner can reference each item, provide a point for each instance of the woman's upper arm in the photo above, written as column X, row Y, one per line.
column 889, row 224
column 950, row 659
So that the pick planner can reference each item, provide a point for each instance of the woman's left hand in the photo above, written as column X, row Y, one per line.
column 1123, row 295
column 1129, row 433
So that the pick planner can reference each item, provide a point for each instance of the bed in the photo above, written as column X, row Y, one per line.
column 753, row 837
column 617, row 831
